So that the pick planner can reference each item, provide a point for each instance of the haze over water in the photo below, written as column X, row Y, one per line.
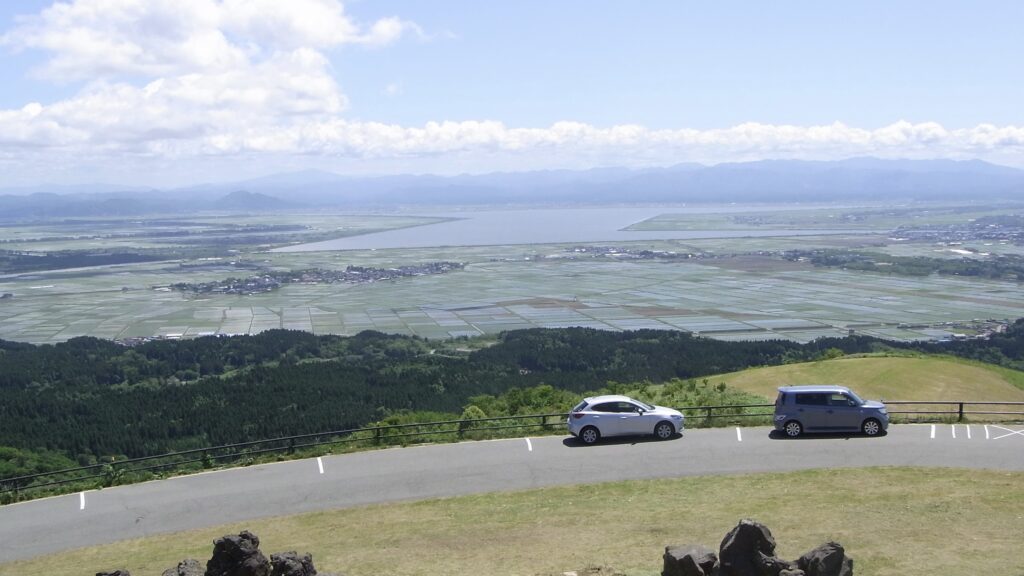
column 540, row 226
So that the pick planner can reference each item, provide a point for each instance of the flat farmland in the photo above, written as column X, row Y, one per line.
column 506, row 288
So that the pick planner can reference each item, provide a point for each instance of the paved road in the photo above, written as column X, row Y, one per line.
column 96, row 517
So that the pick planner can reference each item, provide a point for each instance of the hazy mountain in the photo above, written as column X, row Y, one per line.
column 243, row 200
column 762, row 181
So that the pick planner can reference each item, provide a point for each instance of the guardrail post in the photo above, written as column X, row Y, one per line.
column 960, row 413
column 707, row 417
column 291, row 446
column 376, row 436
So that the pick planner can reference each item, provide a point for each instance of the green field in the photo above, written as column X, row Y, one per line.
column 727, row 299
column 892, row 378
column 892, row 522
column 732, row 290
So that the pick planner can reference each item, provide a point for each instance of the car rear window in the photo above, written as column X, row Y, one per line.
column 780, row 400
column 579, row 407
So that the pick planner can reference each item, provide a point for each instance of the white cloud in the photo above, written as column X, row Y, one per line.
column 187, row 81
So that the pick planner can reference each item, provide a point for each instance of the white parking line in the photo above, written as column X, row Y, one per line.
column 986, row 431
column 1009, row 432
column 953, row 428
column 529, row 445
column 81, row 500
column 933, row 431
column 739, row 435
column 320, row 464
column 968, row 426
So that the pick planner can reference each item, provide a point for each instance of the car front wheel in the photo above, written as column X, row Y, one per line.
column 664, row 430
column 793, row 429
column 590, row 435
column 871, row 427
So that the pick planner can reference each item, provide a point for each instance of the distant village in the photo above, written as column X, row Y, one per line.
column 272, row 280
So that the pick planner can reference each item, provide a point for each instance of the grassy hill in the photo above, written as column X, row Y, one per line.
column 892, row 378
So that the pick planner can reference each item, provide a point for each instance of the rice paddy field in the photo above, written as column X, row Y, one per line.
column 723, row 299
column 731, row 291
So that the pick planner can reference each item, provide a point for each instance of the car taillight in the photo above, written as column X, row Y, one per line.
column 577, row 415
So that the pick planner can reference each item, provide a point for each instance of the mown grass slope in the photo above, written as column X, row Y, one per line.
column 892, row 521
column 889, row 377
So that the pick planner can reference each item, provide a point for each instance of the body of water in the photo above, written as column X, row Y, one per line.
column 542, row 226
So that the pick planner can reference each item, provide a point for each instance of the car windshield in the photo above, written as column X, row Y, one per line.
column 644, row 405
column 855, row 398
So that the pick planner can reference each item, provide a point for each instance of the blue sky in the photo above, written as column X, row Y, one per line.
column 169, row 92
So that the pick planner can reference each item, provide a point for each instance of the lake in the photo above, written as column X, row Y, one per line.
column 545, row 226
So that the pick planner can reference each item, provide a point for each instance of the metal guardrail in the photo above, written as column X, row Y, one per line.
column 375, row 436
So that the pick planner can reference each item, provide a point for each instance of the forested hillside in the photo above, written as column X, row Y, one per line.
column 88, row 398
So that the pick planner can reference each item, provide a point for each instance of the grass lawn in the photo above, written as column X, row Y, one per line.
column 892, row 521
column 892, row 378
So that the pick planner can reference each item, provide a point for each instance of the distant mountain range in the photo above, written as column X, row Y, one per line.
column 863, row 179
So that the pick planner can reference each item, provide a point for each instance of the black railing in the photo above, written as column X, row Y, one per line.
column 114, row 472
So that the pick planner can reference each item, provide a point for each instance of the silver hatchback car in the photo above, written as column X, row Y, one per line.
column 614, row 415
column 827, row 408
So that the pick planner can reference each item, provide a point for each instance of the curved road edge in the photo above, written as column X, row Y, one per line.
column 56, row 524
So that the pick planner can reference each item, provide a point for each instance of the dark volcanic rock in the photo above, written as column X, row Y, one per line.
column 746, row 550
column 238, row 556
column 690, row 560
column 829, row 559
column 115, row 573
column 188, row 567
column 291, row 564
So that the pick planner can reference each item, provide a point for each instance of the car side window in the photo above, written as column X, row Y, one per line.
column 812, row 399
column 606, row 407
column 839, row 399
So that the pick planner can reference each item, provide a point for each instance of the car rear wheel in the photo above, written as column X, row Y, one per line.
column 589, row 435
column 664, row 430
column 871, row 427
column 793, row 429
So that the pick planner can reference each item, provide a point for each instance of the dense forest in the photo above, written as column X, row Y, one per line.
column 87, row 398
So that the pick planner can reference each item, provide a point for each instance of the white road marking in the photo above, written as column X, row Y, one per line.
column 529, row 445
column 81, row 500
column 968, row 426
column 739, row 435
column 986, row 431
column 320, row 464
column 953, row 428
column 1009, row 432
column 933, row 431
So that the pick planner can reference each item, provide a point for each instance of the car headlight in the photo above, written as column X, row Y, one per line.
column 677, row 417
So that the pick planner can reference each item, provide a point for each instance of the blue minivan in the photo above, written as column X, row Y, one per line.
column 827, row 408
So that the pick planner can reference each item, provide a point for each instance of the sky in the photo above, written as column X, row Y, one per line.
column 166, row 93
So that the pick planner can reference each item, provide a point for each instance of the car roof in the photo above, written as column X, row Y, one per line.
column 608, row 398
column 814, row 388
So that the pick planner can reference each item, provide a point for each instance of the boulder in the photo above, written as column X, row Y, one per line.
column 689, row 560
column 291, row 564
column 115, row 573
column 238, row 556
column 746, row 549
column 188, row 567
column 829, row 559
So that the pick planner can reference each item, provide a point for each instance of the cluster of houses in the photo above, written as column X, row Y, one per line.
column 272, row 280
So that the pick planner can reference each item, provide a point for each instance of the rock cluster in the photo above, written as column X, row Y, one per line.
column 240, row 555
column 749, row 550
